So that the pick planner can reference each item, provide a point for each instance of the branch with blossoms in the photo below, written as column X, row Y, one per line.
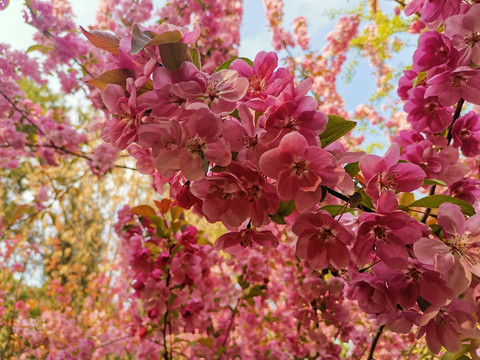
column 247, row 147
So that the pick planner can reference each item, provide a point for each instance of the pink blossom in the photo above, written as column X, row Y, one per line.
column 322, row 240
column 264, row 80
column 413, row 281
column 434, row 50
column 464, row 31
column 388, row 231
column 300, row 116
column 223, row 198
column 103, row 159
column 371, row 294
column 452, row 85
column 164, row 101
column 406, row 83
column 466, row 133
column 466, row 189
column 220, row 92
column 442, row 165
column 426, row 112
column 385, row 173
column 446, row 326
column 165, row 140
column 244, row 137
column 458, row 255
column 299, row 169
column 300, row 30
column 122, row 129
column 433, row 13
column 233, row 242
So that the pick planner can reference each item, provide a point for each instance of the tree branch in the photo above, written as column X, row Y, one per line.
column 347, row 199
column 374, row 342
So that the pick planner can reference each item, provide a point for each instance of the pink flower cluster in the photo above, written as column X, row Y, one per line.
column 224, row 306
column 246, row 146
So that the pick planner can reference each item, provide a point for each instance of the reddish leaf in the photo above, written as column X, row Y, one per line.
column 143, row 210
column 140, row 39
column 103, row 40
column 174, row 54
column 116, row 76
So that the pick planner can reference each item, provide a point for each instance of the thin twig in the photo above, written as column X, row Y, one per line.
column 347, row 199
column 113, row 341
column 428, row 210
column 51, row 144
column 456, row 115
column 230, row 324
column 374, row 342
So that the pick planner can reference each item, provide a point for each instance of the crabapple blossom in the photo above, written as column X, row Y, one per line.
column 386, row 174
column 299, row 169
column 322, row 240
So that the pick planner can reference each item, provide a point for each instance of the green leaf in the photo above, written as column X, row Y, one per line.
column 255, row 290
column 285, row 209
column 433, row 182
column 226, row 64
column 166, row 37
column 337, row 126
column 458, row 355
column 419, row 78
column 434, row 201
column 366, row 200
column 352, row 169
column 37, row 48
column 334, row 210
column 174, row 54
column 103, row 40
column 235, row 114
column 206, row 341
column 355, row 200
column 278, row 219
column 196, row 60
column 140, row 39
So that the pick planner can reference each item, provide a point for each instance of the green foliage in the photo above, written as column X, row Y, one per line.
column 337, row 126
column 434, row 201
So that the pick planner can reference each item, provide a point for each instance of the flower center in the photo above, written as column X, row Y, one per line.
column 381, row 233
column 300, row 167
column 472, row 39
column 458, row 80
column 465, row 133
column 413, row 274
column 246, row 239
column 250, row 142
column 195, row 145
column 257, row 83
column 253, row 192
column 388, row 181
column 324, row 234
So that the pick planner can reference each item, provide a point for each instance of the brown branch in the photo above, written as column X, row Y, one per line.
column 456, row 115
column 428, row 210
column 374, row 342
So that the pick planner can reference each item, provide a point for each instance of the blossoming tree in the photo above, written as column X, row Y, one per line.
column 275, row 237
